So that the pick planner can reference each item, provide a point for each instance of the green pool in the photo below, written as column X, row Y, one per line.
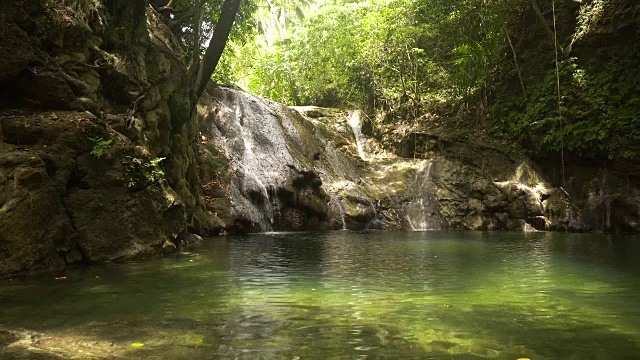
column 341, row 295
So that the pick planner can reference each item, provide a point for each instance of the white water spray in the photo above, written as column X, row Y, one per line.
column 355, row 121
column 421, row 212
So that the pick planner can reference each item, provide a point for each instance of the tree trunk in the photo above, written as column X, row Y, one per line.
column 542, row 20
column 216, row 45
column 178, row 22
column 555, row 38
column 139, row 18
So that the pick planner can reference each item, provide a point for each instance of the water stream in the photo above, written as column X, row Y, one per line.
column 422, row 210
column 355, row 121
column 337, row 207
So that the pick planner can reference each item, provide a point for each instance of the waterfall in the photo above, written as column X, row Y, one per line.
column 283, row 171
column 421, row 212
column 373, row 224
column 250, row 133
column 337, row 208
column 251, row 185
column 266, row 166
column 355, row 121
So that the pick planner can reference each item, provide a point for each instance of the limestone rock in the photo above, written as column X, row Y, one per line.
column 92, row 184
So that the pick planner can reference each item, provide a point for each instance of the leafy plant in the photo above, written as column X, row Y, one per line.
column 140, row 173
column 101, row 147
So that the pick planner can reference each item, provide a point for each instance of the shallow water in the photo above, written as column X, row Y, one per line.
column 351, row 295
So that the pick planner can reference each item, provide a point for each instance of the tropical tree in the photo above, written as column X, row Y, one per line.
column 197, row 20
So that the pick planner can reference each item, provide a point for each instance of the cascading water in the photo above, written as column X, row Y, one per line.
column 373, row 224
column 421, row 211
column 250, row 134
column 277, row 171
column 355, row 121
column 337, row 208
column 297, row 169
column 252, row 186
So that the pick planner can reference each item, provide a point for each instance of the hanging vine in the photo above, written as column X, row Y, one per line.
column 555, row 43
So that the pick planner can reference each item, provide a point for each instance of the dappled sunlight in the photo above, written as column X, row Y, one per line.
column 339, row 185
column 526, row 180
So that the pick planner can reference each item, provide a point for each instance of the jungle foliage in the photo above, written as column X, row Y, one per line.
column 487, row 63
column 599, row 111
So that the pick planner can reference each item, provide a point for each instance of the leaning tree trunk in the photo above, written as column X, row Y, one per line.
column 216, row 45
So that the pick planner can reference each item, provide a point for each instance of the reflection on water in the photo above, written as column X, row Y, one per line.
column 347, row 295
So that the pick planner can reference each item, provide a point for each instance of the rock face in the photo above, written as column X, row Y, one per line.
column 267, row 167
column 95, row 132
column 262, row 165
column 606, row 196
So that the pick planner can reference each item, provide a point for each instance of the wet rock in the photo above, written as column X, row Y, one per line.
column 29, row 178
column 293, row 219
column 192, row 239
column 85, row 104
column 15, row 53
column 112, row 224
column 259, row 154
column 47, row 90
column 360, row 211
column 168, row 247
column 538, row 222
column 206, row 223
column 272, row 186
column 6, row 338
column 32, row 220
column 457, row 184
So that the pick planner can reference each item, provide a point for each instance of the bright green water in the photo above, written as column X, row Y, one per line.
column 348, row 295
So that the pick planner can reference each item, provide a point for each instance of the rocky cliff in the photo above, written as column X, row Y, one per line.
column 96, row 162
column 267, row 167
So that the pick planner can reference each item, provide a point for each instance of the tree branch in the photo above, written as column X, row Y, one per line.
column 177, row 23
column 542, row 20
